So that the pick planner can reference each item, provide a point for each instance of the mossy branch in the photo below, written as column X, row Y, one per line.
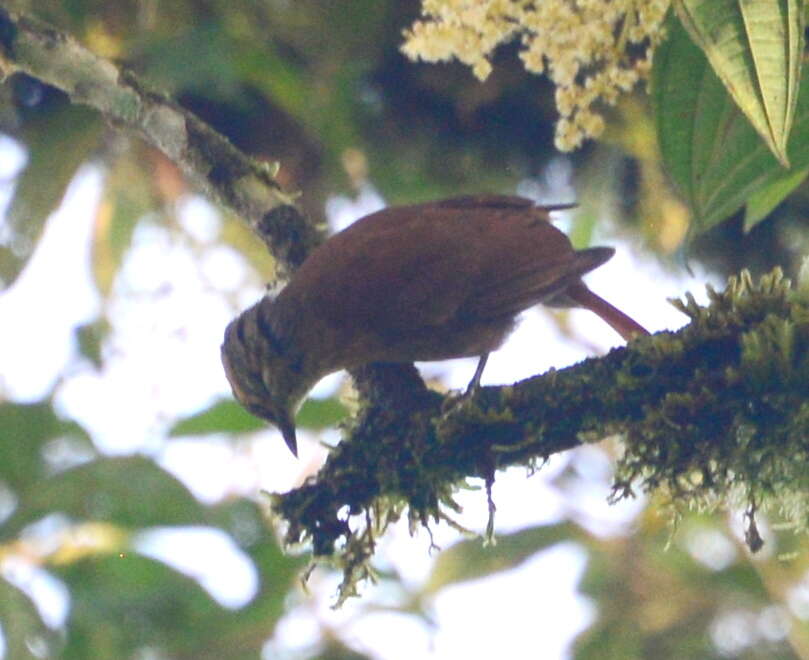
column 220, row 171
column 717, row 412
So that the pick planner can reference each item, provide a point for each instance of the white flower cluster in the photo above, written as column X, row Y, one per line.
column 583, row 46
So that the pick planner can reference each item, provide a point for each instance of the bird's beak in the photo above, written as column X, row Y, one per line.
column 287, row 428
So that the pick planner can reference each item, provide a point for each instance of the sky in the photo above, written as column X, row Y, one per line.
column 171, row 302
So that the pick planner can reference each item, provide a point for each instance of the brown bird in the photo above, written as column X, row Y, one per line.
column 431, row 281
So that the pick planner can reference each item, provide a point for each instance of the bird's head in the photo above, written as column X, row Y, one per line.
column 264, row 378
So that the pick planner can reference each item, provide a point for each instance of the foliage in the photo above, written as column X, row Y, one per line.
column 322, row 89
column 709, row 147
column 588, row 50
column 121, row 600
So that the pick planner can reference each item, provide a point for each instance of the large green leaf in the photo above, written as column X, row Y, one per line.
column 709, row 148
column 58, row 143
column 170, row 611
column 131, row 491
column 319, row 414
column 762, row 202
column 756, row 48
column 227, row 416
column 123, row 604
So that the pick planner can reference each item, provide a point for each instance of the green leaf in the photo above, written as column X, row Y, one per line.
column 756, row 48
column 470, row 560
column 120, row 604
column 131, row 491
column 710, row 150
column 320, row 413
column 632, row 579
column 762, row 202
column 24, row 429
column 23, row 629
column 225, row 416
column 58, row 143
column 169, row 610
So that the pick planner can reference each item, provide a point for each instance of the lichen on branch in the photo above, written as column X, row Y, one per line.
column 716, row 413
column 737, row 432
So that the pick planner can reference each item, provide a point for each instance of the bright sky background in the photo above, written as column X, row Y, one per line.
column 169, row 314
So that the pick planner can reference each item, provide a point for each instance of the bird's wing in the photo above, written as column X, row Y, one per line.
column 529, row 281
column 401, row 267
column 470, row 258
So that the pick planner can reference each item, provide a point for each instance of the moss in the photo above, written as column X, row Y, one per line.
column 736, row 430
column 716, row 414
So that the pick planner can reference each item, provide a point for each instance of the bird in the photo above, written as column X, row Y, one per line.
column 421, row 282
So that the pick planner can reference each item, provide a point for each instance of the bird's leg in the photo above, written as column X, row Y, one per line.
column 455, row 401
column 475, row 382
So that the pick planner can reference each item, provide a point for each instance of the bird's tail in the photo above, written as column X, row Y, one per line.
column 620, row 322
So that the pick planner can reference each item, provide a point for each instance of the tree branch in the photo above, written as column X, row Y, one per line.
column 220, row 171
column 717, row 412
